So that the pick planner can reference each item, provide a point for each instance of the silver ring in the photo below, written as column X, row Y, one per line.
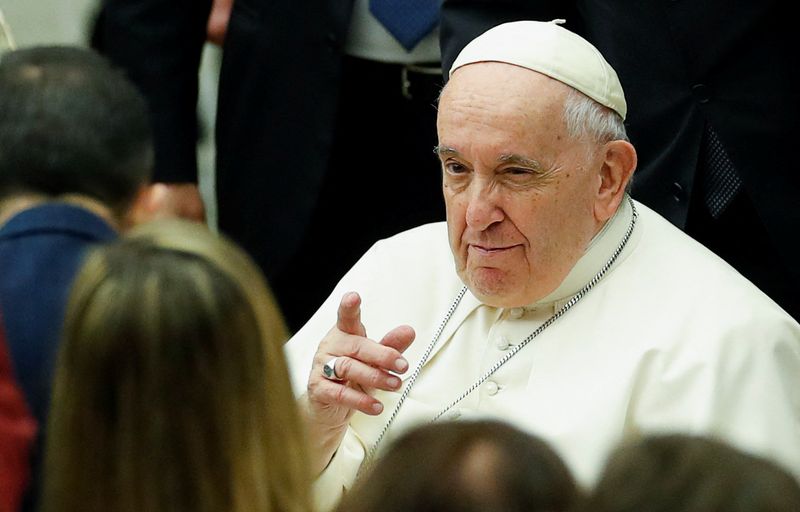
column 329, row 371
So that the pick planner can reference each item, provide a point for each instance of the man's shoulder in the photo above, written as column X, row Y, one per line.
column 45, row 245
column 433, row 234
column 404, row 279
column 56, row 218
column 423, row 249
column 684, row 274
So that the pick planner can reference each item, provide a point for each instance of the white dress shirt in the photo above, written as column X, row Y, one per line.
column 369, row 39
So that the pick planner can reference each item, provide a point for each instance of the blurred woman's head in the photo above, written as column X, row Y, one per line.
column 172, row 391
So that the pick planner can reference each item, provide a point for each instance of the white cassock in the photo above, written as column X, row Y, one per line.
column 671, row 339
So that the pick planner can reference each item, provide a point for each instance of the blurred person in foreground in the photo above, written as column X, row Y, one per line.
column 17, row 433
column 172, row 392
column 559, row 304
column 684, row 473
column 75, row 164
column 474, row 466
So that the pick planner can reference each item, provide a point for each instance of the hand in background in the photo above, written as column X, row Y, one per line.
column 218, row 21
column 163, row 200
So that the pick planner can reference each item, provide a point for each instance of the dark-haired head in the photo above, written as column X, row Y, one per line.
column 467, row 466
column 685, row 473
column 71, row 124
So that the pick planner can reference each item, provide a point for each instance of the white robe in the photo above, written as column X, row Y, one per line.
column 671, row 339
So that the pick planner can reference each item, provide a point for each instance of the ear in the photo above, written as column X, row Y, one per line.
column 619, row 162
column 146, row 206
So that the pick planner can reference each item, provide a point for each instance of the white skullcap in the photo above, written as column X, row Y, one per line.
column 553, row 51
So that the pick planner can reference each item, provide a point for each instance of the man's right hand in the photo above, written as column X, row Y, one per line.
column 217, row 25
column 166, row 200
column 363, row 365
column 182, row 200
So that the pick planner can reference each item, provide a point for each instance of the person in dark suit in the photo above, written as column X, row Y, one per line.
column 75, row 163
column 714, row 97
column 314, row 97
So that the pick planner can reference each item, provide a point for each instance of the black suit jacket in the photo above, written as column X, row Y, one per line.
column 278, row 93
column 683, row 63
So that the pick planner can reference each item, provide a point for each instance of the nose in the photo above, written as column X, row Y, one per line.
column 483, row 208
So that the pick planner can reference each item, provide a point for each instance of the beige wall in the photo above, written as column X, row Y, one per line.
column 49, row 21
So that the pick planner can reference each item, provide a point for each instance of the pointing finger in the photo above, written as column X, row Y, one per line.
column 349, row 315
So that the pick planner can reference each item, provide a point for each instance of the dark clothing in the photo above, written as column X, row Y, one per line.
column 287, row 125
column 381, row 180
column 685, row 64
column 40, row 252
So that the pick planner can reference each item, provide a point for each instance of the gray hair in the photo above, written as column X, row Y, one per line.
column 590, row 122
column 587, row 119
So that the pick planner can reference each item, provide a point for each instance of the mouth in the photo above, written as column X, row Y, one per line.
column 490, row 250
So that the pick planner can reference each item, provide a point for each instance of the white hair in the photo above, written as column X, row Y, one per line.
column 587, row 119
column 592, row 123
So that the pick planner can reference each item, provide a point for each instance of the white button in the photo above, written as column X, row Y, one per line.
column 516, row 313
column 454, row 414
column 503, row 343
column 491, row 388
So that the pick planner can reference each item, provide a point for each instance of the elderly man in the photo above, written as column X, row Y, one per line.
column 572, row 311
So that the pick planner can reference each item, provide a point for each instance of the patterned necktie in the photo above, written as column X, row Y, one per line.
column 720, row 181
column 409, row 21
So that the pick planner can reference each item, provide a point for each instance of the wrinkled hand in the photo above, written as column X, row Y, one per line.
column 363, row 365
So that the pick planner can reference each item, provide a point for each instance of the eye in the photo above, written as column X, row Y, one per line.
column 518, row 171
column 518, row 174
column 453, row 167
column 521, row 177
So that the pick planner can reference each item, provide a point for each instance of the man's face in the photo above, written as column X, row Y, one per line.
column 519, row 191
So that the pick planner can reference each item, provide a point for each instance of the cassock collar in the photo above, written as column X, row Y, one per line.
column 598, row 252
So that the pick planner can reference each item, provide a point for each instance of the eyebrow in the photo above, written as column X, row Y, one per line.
column 520, row 160
column 504, row 159
column 444, row 150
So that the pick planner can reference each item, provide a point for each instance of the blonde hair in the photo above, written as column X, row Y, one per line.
column 172, row 392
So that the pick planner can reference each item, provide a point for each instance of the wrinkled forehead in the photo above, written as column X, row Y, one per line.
column 494, row 88
column 490, row 112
